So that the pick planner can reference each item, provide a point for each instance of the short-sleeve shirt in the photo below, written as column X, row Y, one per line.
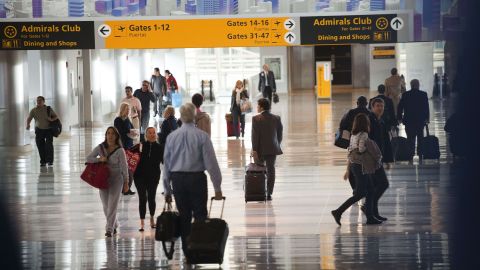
column 135, row 106
column 41, row 117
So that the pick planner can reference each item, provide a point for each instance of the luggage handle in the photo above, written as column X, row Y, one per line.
column 428, row 132
column 211, row 202
column 168, row 206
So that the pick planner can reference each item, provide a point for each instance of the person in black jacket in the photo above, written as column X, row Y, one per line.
column 238, row 94
column 147, row 176
column 168, row 125
column 388, row 115
column 347, row 120
column 414, row 113
column 124, row 126
column 145, row 95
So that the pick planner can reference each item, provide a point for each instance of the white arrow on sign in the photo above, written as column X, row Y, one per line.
column 104, row 30
column 290, row 37
column 396, row 23
column 289, row 24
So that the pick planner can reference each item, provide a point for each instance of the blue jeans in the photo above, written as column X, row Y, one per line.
column 190, row 191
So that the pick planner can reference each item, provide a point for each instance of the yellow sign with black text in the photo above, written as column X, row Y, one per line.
column 198, row 33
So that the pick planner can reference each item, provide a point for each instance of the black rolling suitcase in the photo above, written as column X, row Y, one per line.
column 255, row 182
column 207, row 240
column 430, row 148
column 401, row 149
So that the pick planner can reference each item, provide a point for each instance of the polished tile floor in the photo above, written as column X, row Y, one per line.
column 60, row 219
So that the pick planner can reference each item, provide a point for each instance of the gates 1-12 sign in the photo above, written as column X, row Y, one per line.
column 347, row 29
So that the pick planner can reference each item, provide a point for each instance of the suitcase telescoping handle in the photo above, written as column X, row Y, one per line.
column 428, row 132
column 211, row 202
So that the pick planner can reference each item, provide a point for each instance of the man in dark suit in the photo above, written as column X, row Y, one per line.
column 266, row 84
column 388, row 116
column 267, row 132
column 414, row 112
column 347, row 121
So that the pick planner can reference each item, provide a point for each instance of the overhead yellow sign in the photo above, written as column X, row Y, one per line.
column 199, row 33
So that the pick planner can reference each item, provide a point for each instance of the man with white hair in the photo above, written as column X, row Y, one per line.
column 188, row 153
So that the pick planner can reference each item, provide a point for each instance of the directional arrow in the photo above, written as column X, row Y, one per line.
column 104, row 30
column 396, row 23
column 289, row 24
column 290, row 37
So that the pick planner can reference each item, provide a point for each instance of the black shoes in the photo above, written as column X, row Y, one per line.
column 373, row 221
column 375, row 216
column 108, row 234
column 129, row 192
column 50, row 164
column 269, row 197
column 337, row 216
column 43, row 164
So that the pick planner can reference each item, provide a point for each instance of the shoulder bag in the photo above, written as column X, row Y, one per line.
column 56, row 125
column 96, row 174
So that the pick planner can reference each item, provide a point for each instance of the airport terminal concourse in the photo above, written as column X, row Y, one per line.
column 278, row 110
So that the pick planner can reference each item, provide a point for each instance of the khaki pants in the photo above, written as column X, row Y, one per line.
column 136, row 125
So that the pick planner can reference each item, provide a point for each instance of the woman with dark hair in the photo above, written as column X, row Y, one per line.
column 147, row 176
column 112, row 153
column 239, row 94
column 364, row 158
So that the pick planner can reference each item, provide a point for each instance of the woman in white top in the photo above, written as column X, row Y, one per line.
column 357, row 158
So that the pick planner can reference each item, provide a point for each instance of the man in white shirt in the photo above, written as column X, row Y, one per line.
column 135, row 107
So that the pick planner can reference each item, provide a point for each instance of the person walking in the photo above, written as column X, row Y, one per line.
column 125, row 129
column 414, row 113
column 168, row 125
column 145, row 95
column 393, row 85
column 112, row 153
column 188, row 153
column 202, row 119
column 135, row 107
column 43, row 115
column 239, row 94
column 347, row 121
column 172, row 85
column 159, row 86
column 388, row 115
column 266, row 83
column 267, row 134
column 147, row 176
column 364, row 158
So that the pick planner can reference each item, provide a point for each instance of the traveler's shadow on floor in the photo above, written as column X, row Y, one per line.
column 46, row 181
column 236, row 154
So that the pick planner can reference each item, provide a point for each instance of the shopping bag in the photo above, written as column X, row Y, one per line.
column 246, row 106
column 133, row 158
column 176, row 100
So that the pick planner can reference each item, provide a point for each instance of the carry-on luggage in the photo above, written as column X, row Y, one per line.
column 168, row 229
column 255, row 182
column 430, row 148
column 207, row 240
column 230, row 129
column 401, row 149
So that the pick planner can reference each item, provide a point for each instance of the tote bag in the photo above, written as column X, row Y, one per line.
column 96, row 174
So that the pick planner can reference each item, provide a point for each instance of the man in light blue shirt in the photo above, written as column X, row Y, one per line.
column 188, row 153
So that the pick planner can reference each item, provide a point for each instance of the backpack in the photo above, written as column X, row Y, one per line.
column 56, row 125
